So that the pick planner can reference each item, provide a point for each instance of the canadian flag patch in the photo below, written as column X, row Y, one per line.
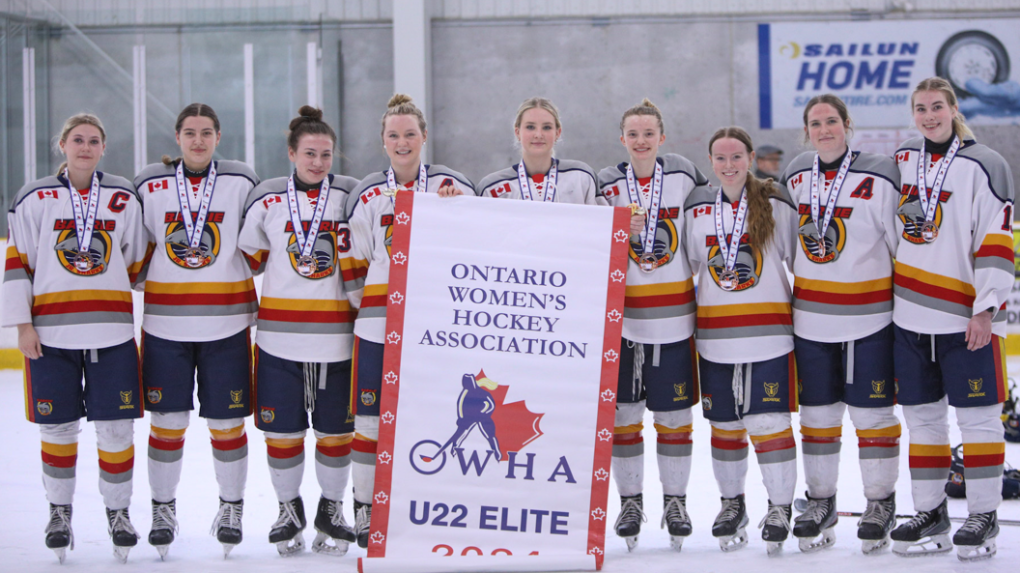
column 501, row 190
column 613, row 191
column 703, row 210
column 369, row 195
column 158, row 185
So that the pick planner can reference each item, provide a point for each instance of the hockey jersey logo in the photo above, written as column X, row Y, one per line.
column 99, row 249
column 323, row 252
column 748, row 266
column 912, row 216
column 835, row 235
column 178, row 247
column 667, row 241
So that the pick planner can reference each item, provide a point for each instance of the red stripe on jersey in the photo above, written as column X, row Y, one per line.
column 82, row 306
column 744, row 320
column 933, row 291
column 995, row 251
column 847, row 299
column 318, row 316
column 652, row 301
column 373, row 300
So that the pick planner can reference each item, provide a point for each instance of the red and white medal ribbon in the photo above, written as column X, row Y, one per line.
column 928, row 205
column 550, row 183
column 652, row 220
column 729, row 252
column 84, row 218
column 306, row 243
column 830, row 205
column 423, row 182
column 193, row 227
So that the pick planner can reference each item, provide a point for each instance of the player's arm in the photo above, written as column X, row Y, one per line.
column 992, row 246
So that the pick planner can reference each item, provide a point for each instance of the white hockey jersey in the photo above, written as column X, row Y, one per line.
column 844, row 292
column 969, row 268
column 72, row 307
column 753, row 322
column 659, row 305
column 300, row 318
column 575, row 183
column 367, row 270
column 215, row 299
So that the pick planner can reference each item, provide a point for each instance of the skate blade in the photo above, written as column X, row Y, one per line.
column 774, row 548
column 163, row 550
column 291, row 546
column 61, row 554
column 632, row 542
column 227, row 547
column 734, row 542
column 874, row 546
column 121, row 553
column 981, row 552
column 322, row 546
column 676, row 542
column 933, row 545
column 812, row 544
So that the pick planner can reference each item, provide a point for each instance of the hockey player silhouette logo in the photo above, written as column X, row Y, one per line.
column 748, row 265
column 94, row 262
column 178, row 247
column 912, row 216
column 505, row 428
column 666, row 244
column 833, row 241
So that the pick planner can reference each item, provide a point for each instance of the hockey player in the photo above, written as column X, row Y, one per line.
column 954, row 270
column 539, row 176
column 842, row 320
column 75, row 246
column 737, row 239
column 199, row 304
column 657, row 368
column 366, row 274
column 295, row 231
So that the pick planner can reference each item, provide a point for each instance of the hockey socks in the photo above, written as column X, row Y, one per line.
column 230, row 457
column 879, row 455
column 930, row 455
column 729, row 457
column 776, row 451
column 59, row 458
column 984, row 450
column 116, row 461
column 166, row 454
column 286, row 454
column 628, row 459
column 821, row 428
column 673, row 450
column 363, row 450
column 333, row 464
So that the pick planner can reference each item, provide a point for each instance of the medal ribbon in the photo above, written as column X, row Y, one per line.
column 307, row 242
column 830, row 205
column 84, row 221
column 730, row 252
column 653, row 210
column 423, row 181
column 525, row 183
column 194, row 227
column 927, row 204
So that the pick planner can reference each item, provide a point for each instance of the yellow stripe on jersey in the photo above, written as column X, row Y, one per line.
column 80, row 295
column 305, row 304
column 744, row 309
column 844, row 288
column 934, row 279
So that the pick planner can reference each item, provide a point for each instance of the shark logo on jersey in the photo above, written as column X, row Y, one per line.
column 910, row 213
column 667, row 242
column 178, row 246
column 323, row 252
column 748, row 265
column 834, row 240
column 98, row 254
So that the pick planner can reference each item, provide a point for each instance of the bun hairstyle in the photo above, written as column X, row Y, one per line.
column 73, row 122
column 192, row 110
column 541, row 103
column 760, row 222
column 401, row 104
column 942, row 85
column 837, row 104
column 646, row 107
column 308, row 122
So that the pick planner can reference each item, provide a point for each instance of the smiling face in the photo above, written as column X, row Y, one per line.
column 537, row 133
column 198, row 139
column 933, row 115
column 642, row 137
column 84, row 148
column 730, row 161
column 313, row 157
column 826, row 130
column 403, row 140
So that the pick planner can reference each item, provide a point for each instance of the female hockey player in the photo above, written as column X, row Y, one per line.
column 295, row 232
column 539, row 176
column 366, row 274
column 75, row 246
column 657, row 367
column 954, row 270
column 842, row 321
column 737, row 238
column 199, row 304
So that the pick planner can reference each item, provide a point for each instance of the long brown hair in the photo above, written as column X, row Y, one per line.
column 937, row 84
column 760, row 222
column 73, row 122
column 192, row 110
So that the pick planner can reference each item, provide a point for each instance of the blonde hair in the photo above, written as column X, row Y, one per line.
column 73, row 122
column 646, row 107
column 760, row 222
column 401, row 104
column 541, row 103
column 937, row 84
column 838, row 105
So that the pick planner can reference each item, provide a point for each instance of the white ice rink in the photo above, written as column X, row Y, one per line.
column 24, row 513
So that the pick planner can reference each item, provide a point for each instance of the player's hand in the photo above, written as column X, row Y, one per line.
column 28, row 341
column 449, row 191
column 979, row 330
column 637, row 224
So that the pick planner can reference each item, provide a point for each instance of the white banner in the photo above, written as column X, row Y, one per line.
column 874, row 67
column 503, row 334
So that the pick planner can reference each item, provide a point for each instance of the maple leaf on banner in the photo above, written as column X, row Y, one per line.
column 399, row 258
column 388, row 418
column 403, row 218
column 391, row 377
column 611, row 355
column 601, row 474
column 377, row 537
column 621, row 236
column 605, row 435
column 384, row 458
column 598, row 514
column 381, row 497
column 516, row 425
column 595, row 551
column 396, row 298
column 614, row 315
column 617, row 276
column 607, row 395
column 394, row 338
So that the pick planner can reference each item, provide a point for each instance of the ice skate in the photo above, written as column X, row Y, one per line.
column 927, row 533
column 775, row 527
column 975, row 540
column 362, row 522
column 227, row 524
column 874, row 526
column 816, row 522
column 675, row 518
column 628, row 524
column 59, row 536
column 331, row 525
column 286, row 532
column 121, row 532
column 731, row 524
column 164, row 526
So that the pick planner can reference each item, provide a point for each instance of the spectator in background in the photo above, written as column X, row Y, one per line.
column 769, row 157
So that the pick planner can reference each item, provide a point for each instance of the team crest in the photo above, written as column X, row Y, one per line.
column 975, row 385
column 323, row 252
column 368, row 397
column 666, row 244
column 178, row 248
column 154, row 395
column 92, row 263
column 811, row 243
column 44, row 407
column 748, row 265
column 267, row 415
column 236, row 395
column 878, row 386
column 125, row 397
column 680, row 388
column 910, row 213
column 771, row 389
